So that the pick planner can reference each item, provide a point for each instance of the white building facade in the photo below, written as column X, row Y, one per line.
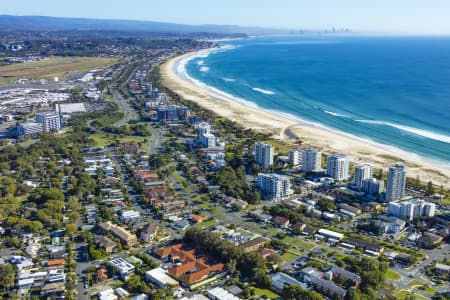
column 396, row 181
column 362, row 172
column 274, row 185
column 50, row 120
column 312, row 160
column 412, row 209
column 264, row 154
column 338, row 167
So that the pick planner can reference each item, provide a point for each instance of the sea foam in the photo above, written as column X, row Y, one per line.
column 262, row 91
column 416, row 131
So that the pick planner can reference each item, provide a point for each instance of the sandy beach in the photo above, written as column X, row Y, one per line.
column 289, row 128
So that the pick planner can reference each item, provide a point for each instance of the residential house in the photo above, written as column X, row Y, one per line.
column 149, row 232
column 281, row 221
column 106, row 244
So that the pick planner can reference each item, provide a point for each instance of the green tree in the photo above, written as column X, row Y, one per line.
column 7, row 276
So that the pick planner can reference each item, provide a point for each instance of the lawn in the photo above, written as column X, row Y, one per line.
column 299, row 243
column 392, row 275
column 265, row 292
column 414, row 283
column 430, row 290
column 210, row 208
column 206, row 224
column 288, row 257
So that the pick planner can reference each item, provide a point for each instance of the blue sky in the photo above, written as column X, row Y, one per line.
column 397, row 16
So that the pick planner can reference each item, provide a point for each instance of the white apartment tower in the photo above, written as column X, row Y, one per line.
column 373, row 186
column 362, row 172
column 274, row 185
column 312, row 160
column 396, row 180
column 338, row 167
column 294, row 157
column 264, row 154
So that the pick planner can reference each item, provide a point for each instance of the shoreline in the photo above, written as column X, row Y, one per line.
column 288, row 128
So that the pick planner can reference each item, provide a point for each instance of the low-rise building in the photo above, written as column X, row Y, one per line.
column 441, row 269
column 345, row 276
column 253, row 245
column 329, row 234
column 106, row 244
column 149, row 232
column 159, row 277
column 124, row 235
column 219, row 293
column 29, row 128
column 327, row 287
column 124, row 268
column 280, row 280
column 281, row 221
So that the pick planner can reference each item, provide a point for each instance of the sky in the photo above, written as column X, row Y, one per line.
column 384, row 16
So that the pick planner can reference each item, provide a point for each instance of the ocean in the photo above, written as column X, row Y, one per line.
column 390, row 90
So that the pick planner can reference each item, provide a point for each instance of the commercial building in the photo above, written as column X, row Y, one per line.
column 219, row 293
column 312, row 160
column 396, row 181
column 280, row 280
column 294, row 157
column 338, row 167
column 412, row 209
column 373, row 186
column 274, row 185
column 330, row 234
column 159, row 277
column 29, row 128
column 50, row 120
column 362, row 172
column 264, row 154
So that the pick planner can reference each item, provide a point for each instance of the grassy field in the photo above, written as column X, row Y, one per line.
column 403, row 294
column 61, row 67
column 101, row 139
column 265, row 292
column 392, row 275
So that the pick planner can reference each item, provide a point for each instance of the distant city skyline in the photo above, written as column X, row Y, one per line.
column 383, row 16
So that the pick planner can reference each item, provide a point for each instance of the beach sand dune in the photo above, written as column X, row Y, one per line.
column 289, row 129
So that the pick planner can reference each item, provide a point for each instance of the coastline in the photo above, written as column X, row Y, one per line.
column 288, row 128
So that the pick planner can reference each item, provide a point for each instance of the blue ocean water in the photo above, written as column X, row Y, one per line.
column 392, row 90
